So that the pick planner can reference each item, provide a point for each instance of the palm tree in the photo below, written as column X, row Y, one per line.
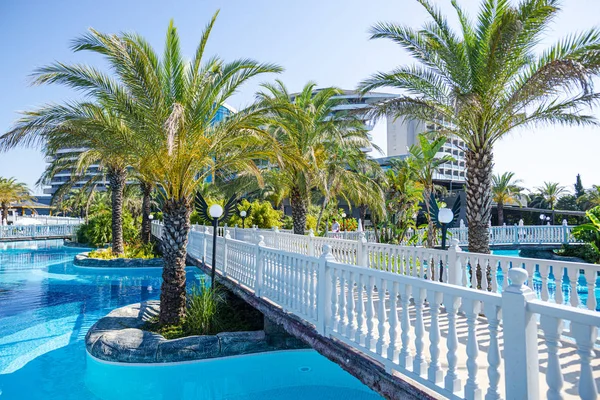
column 487, row 79
column 404, row 193
column 306, row 129
column 505, row 189
column 11, row 191
column 164, row 109
column 93, row 127
column 551, row 192
column 424, row 161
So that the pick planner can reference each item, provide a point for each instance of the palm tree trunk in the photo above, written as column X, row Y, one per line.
column 362, row 214
column 4, row 219
column 299, row 210
column 325, row 201
column 174, row 247
column 479, row 163
column 146, row 209
column 117, row 178
column 500, row 207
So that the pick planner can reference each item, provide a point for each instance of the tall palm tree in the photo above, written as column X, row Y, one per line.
column 404, row 193
column 505, row 189
column 164, row 107
column 11, row 191
column 95, row 128
column 487, row 79
column 424, row 161
column 305, row 129
column 551, row 192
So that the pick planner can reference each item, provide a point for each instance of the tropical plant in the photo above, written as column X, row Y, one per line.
column 261, row 214
column 404, row 193
column 306, row 130
column 97, row 231
column 11, row 191
column 487, row 79
column 505, row 190
column 590, row 232
column 424, row 161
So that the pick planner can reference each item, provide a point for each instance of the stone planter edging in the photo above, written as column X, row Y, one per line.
column 82, row 260
column 118, row 337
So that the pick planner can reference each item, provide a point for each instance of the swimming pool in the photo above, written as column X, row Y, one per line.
column 47, row 305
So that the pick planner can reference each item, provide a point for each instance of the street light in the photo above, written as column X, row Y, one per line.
column 344, row 220
column 243, row 215
column 542, row 219
column 150, row 217
column 215, row 212
column 445, row 216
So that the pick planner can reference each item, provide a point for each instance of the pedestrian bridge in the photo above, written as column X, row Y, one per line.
column 516, row 236
column 37, row 232
column 381, row 312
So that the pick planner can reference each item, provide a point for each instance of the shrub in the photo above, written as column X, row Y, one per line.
column 262, row 214
column 135, row 250
column 203, row 304
column 98, row 230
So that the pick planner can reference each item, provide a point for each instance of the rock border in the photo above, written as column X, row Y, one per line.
column 82, row 260
column 119, row 337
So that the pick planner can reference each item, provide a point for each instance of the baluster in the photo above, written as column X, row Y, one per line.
column 342, row 302
column 405, row 358
column 370, row 282
column 360, row 309
column 472, row 390
column 530, row 268
column 492, row 313
column 544, row 270
column 558, row 273
column 305, row 285
column 434, row 372
column 573, row 275
column 351, row 327
column 419, row 363
column 473, row 264
column 381, row 316
column 585, row 336
column 590, row 277
column 553, row 328
column 334, row 297
column 451, row 381
column 392, row 351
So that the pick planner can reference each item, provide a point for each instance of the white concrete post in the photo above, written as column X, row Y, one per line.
column 204, row 239
column 324, row 291
column 516, row 234
column 360, row 228
column 311, row 243
column 259, row 266
column 454, row 266
column 362, row 254
column 276, row 235
column 255, row 236
column 226, row 239
column 521, row 363
column 565, row 228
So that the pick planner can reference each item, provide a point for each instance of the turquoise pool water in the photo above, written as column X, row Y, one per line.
column 47, row 305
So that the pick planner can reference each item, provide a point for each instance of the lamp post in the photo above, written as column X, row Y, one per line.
column 215, row 211
column 445, row 216
column 344, row 221
column 150, row 217
column 542, row 219
column 243, row 216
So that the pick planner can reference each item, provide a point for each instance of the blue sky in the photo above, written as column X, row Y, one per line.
column 325, row 41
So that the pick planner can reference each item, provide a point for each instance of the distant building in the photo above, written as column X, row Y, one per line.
column 402, row 133
column 94, row 170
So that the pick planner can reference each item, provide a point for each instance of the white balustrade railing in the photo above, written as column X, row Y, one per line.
column 37, row 231
column 560, row 282
column 499, row 235
column 430, row 331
